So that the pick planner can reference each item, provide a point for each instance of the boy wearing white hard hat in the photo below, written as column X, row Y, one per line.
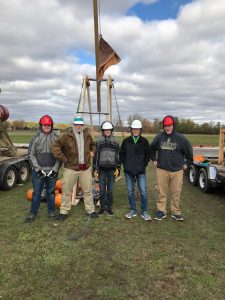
column 135, row 155
column 107, row 166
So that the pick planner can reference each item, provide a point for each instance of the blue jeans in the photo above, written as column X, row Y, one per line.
column 38, row 184
column 106, row 184
column 142, row 186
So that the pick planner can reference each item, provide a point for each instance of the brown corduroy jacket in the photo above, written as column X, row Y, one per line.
column 65, row 149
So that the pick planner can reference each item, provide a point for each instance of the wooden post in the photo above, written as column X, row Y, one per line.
column 89, row 104
column 95, row 7
column 82, row 105
column 221, row 146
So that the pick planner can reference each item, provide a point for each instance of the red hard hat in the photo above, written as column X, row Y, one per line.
column 46, row 120
column 168, row 120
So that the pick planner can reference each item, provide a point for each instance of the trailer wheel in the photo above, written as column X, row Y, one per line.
column 23, row 173
column 10, row 178
column 203, row 181
column 193, row 175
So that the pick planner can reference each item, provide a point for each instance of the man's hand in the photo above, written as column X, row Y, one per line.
column 51, row 174
column 155, row 163
column 41, row 173
column 91, row 154
column 184, row 167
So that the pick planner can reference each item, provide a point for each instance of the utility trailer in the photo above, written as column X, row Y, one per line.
column 14, row 163
column 208, row 169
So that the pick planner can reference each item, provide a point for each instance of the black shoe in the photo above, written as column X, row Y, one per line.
column 110, row 212
column 61, row 217
column 93, row 215
column 101, row 211
column 29, row 218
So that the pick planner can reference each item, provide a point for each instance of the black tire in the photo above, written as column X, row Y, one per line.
column 10, row 178
column 193, row 175
column 23, row 173
column 203, row 181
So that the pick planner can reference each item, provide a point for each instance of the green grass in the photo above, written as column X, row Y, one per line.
column 114, row 258
column 195, row 139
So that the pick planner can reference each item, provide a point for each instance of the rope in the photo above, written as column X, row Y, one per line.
column 117, row 107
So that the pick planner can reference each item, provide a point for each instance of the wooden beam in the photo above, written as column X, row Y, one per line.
column 221, row 146
column 95, row 7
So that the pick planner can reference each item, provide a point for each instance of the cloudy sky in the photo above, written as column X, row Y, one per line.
column 172, row 51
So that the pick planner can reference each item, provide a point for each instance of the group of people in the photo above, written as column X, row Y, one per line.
column 170, row 152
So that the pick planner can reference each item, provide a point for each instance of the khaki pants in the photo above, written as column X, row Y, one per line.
column 169, row 181
column 70, row 177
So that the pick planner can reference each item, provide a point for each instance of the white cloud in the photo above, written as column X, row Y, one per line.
column 171, row 66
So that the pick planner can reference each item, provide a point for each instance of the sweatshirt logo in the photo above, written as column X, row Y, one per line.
column 168, row 145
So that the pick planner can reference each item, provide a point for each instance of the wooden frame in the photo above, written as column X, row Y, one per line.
column 85, row 94
column 221, row 146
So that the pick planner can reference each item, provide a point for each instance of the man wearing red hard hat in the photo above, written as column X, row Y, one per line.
column 45, row 167
column 170, row 151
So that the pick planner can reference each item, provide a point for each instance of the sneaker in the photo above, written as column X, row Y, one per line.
column 131, row 214
column 101, row 211
column 52, row 215
column 29, row 218
column 61, row 217
column 160, row 215
column 177, row 217
column 93, row 215
column 146, row 216
column 109, row 211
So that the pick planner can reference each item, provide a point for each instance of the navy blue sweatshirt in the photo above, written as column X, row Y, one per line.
column 171, row 151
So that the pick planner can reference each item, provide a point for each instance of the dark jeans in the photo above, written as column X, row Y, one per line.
column 142, row 186
column 106, row 184
column 38, row 184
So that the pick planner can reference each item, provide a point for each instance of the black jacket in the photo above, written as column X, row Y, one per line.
column 135, row 157
column 107, row 153
column 171, row 151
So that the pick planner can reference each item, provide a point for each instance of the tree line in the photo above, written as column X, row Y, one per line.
column 185, row 126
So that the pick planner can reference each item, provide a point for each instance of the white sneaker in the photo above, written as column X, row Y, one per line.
column 146, row 216
column 131, row 214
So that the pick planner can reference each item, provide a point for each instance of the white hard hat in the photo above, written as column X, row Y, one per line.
column 136, row 124
column 107, row 126
column 78, row 120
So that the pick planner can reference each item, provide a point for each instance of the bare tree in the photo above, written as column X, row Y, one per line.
column 133, row 117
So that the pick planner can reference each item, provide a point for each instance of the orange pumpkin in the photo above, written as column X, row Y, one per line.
column 58, row 185
column 58, row 200
column 29, row 194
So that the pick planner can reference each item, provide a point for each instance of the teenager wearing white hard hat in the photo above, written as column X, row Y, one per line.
column 107, row 165
column 135, row 155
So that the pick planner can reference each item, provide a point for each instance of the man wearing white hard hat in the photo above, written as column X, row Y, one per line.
column 75, row 149
column 135, row 155
column 107, row 165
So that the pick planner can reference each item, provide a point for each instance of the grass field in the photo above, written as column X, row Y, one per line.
column 114, row 258
column 195, row 139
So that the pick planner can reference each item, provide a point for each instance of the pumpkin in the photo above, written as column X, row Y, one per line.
column 58, row 185
column 29, row 194
column 58, row 200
